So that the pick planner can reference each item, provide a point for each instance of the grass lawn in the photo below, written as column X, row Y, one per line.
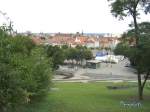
column 90, row 97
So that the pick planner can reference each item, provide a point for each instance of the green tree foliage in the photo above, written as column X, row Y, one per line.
column 144, row 30
column 65, row 47
column 84, row 52
column 88, row 54
column 24, row 71
column 56, row 54
column 138, row 56
column 72, row 54
column 79, row 53
column 59, row 54
column 122, row 49
column 123, row 8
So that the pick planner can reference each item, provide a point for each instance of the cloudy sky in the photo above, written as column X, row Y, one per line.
column 68, row 16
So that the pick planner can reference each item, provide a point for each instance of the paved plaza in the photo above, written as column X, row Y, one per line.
column 107, row 71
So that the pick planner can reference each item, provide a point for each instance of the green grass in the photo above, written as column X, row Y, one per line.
column 89, row 97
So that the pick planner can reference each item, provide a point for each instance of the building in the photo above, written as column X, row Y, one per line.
column 74, row 40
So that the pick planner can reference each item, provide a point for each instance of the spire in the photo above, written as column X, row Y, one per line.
column 82, row 33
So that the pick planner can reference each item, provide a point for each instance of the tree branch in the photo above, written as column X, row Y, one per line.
column 130, row 10
column 137, row 3
column 147, row 75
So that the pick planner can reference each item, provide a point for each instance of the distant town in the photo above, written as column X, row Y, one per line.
column 90, row 40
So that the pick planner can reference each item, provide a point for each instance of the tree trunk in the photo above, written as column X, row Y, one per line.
column 140, row 90
column 136, row 28
column 143, row 85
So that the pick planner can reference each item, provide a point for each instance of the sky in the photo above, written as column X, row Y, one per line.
column 65, row 16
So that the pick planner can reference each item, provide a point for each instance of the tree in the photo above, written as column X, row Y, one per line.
column 144, row 30
column 57, row 55
column 64, row 46
column 78, row 53
column 123, row 8
column 88, row 54
column 25, row 71
column 122, row 49
column 138, row 56
column 81, row 53
column 72, row 54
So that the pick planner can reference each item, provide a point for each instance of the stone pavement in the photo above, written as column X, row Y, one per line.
column 105, row 72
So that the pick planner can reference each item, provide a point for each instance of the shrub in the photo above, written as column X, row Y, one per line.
column 24, row 71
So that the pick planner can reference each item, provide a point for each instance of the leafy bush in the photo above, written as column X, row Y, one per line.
column 24, row 71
